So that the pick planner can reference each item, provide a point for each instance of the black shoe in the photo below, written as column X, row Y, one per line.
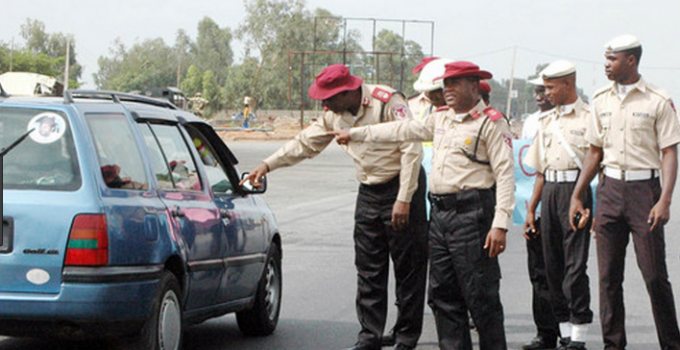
column 404, row 347
column 363, row 346
column 539, row 343
column 389, row 339
column 564, row 343
column 576, row 345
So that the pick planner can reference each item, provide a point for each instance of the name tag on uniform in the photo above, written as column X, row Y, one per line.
column 577, row 132
column 641, row 115
column 439, row 131
column 605, row 114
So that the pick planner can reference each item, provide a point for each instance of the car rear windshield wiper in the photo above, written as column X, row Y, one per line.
column 15, row 143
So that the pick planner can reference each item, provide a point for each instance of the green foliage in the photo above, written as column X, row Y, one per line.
column 193, row 82
column 395, row 70
column 146, row 65
column 211, row 91
column 42, row 53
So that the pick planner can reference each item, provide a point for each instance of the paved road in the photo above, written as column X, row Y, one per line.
column 314, row 206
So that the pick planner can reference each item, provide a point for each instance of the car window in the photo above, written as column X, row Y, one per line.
column 217, row 177
column 177, row 156
column 46, row 159
column 158, row 163
column 119, row 156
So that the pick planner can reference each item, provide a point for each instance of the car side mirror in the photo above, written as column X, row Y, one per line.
column 249, row 188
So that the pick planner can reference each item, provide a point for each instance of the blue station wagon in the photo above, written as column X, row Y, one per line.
column 123, row 217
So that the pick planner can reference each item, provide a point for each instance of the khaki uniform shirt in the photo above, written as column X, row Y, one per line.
column 547, row 151
column 632, row 131
column 451, row 170
column 418, row 103
column 375, row 163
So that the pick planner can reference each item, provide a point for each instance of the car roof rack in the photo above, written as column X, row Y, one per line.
column 116, row 97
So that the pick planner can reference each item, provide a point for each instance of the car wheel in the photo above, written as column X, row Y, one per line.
column 163, row 329
column 263, row 317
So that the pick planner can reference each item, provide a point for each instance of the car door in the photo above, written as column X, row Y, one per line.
column 196, row 217
column 243, row 221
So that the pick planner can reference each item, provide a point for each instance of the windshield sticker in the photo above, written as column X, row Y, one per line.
column 48, row 127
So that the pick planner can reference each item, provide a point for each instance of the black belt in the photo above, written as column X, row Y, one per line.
column 461, row 199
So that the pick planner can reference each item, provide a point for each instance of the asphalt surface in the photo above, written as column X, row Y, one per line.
column 314, row 206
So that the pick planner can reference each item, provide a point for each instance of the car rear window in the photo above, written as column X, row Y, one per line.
column 46, row 159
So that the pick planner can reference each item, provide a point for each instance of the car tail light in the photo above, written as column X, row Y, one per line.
column 88, row 242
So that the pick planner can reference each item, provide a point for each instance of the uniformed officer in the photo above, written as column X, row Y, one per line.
column 390, row 210
column 547, row 330
column 557, row 154
column 472, row 191
column 428, row 70
column 633, row 123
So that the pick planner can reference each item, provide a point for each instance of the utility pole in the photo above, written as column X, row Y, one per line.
column 512, row 79
column 68, row 60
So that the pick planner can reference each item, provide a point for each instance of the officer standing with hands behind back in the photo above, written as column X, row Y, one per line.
column 390, row 211
column 633, row 123
column 472, row 191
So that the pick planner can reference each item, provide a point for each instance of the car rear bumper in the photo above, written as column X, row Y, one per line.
column 93, row 302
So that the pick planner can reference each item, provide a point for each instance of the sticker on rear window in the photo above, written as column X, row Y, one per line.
column 48, row 127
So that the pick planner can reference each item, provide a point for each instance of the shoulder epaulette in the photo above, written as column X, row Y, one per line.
column 382, row 95
column 659, row 91
column 442, row 108
column 493, row 113
column 601, row 90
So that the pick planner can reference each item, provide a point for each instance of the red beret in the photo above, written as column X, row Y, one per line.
column 422, row 64
column 464, row 69
column 333, row 80
column 484, row 87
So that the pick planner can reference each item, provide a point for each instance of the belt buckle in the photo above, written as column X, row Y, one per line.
column 623, row 175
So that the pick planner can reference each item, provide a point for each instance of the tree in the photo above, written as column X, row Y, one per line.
column 212, row 50
column 146, row 65
column 406, row 55
column 42, row 53
column 193, row 82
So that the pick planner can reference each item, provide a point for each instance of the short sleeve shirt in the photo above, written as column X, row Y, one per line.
column 632, row 131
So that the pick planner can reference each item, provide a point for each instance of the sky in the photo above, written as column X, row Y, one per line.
column 489, row 33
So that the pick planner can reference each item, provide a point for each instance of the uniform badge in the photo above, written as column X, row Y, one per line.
column 400, row 112
column 507, row 138
column 366, row 101
column 475, row 114
column 468, row 142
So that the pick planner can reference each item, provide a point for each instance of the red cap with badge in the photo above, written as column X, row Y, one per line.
column 464, row 69
column 333, row 80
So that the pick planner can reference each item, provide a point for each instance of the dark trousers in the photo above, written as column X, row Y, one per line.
column 462, row 276
column 541, row 306
column 566, row 254
column 622, row 211
column 375, row 242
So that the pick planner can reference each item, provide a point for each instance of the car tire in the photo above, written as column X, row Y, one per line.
column 261, row 319
column 163, row 329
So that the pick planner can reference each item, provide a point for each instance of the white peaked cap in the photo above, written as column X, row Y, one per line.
column 431, row 71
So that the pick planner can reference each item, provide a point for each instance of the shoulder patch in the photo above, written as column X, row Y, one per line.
column 382, row 95
column 442, row 108
column 493, row 113
column 400, row 112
